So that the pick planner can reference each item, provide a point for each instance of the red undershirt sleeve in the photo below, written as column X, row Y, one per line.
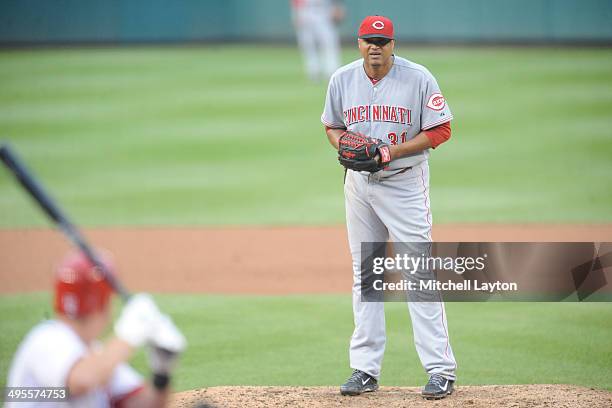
column 438, row 134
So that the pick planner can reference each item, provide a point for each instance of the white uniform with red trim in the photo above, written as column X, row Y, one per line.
column 389, row 204
column 317, row 36
column 46, row 356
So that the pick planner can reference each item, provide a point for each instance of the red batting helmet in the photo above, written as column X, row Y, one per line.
column 79, row 287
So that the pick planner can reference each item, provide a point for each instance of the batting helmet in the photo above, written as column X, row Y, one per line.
column 79, row 287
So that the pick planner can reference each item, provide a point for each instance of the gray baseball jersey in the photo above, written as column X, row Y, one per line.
column 394, row 110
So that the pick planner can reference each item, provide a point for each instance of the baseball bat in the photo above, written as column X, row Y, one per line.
column 60, row 219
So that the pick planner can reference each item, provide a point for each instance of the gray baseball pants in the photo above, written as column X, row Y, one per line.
column 386, row 206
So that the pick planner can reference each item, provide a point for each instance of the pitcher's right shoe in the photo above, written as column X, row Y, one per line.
column 358, row 383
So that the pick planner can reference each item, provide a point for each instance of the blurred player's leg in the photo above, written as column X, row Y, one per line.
column 329, row 43
column 306, row 35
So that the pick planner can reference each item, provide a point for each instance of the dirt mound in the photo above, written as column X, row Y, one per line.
column 499, row 396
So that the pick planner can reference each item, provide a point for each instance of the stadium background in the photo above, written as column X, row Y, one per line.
column 68, row 21
column 131, row 129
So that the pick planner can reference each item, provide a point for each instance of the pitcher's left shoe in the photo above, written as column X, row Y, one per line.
column 437, row 387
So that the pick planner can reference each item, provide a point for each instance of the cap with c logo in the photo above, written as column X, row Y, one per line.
column 376, row 26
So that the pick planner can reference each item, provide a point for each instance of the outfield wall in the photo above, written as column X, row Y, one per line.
column 65, row 21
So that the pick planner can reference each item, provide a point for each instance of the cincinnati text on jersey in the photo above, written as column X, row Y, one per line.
column 377, row 113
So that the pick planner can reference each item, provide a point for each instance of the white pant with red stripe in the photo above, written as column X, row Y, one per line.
column 381, row 207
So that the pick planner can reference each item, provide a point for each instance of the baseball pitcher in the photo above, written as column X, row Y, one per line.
column 383, row 114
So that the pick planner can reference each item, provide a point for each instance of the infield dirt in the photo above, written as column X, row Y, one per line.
column 236, row 260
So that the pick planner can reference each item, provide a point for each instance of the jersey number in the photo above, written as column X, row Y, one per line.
column 394, row 140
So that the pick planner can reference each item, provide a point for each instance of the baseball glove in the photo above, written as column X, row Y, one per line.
column 358, row 152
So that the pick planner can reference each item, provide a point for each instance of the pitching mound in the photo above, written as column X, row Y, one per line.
column 499, row 396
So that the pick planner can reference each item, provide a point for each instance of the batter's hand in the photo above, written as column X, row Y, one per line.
column 161, row 361
column 166, row 344
column 138, row 321
column 361, row 153
column 167, row 336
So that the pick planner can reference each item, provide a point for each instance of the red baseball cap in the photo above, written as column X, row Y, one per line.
column 376, row 26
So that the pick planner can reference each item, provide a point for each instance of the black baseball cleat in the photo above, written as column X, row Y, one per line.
column 358, row 383
column 437, row 387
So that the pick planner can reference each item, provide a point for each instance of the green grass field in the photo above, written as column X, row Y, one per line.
column 303, row 340
column 231, row 135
